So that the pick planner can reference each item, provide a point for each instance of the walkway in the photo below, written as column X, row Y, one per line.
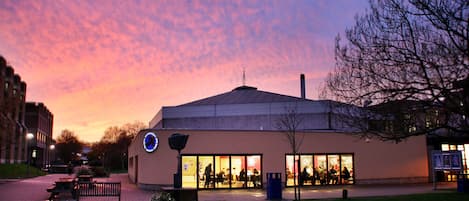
column 35, row 190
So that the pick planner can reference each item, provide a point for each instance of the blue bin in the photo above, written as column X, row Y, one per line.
column 274, row 186
column 463, row 183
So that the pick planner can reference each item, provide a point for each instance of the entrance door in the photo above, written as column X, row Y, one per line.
column 136, row 170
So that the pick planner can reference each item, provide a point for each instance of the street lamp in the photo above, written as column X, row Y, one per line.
column 51, row 155
column 29, row 137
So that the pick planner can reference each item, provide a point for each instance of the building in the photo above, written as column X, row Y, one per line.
column 39, row 121
column 234, row 141
column 417, row 117
column 12, row 111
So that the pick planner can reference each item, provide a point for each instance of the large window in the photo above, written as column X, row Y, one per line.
column 222, row 171
column 464, row 148
column 319, row 169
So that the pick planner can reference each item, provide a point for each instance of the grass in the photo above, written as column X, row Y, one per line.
column 445, row 196
column 18, row 171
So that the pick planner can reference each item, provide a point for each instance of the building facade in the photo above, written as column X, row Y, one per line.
column 39, row 121
column 12, row 111
column 235, row 139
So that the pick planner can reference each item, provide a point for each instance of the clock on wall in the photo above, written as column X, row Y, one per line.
column 150, row 142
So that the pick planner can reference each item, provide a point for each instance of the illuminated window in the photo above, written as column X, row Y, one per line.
column 445, row 147
column 320, row 169
column 221, row 171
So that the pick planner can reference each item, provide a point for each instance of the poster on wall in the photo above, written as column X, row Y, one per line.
column 447, row 160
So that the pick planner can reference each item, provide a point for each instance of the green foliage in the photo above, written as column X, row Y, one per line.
column 163, row 196
column 83, row 171
column 16, row 171
column 99, row 171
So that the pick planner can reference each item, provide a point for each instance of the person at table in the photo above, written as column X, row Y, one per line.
column 333, row 176
column 255, row 178
column 221, row 176
column 315, row 176
column 345, row 175
column 242, row 176
column 207, row 173
column 304, row 176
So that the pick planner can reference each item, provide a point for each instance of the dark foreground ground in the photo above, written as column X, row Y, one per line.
column 34, row 189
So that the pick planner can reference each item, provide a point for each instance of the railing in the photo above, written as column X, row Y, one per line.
column 92, row 189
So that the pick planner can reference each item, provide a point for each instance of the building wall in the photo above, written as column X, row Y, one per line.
column 375, row 161
column 39, row 121
column 12, row 107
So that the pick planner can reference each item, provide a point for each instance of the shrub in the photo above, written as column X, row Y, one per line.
column 99, row 172
column 163, row 196
column 83, row 171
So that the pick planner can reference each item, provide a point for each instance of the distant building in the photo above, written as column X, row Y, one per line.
column 12, row 111
column 39, row 121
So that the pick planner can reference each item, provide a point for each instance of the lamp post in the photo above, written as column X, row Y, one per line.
column 51, row 154
column 29, row 137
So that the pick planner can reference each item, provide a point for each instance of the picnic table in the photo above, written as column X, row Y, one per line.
column 63, row 185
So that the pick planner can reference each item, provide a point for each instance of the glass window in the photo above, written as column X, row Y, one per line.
column 189, row 171
column 254, row 171
column 466, row 158
column 333, row 174
column 238, row 170
column 290, row 170
column 347, row 169
column 206, row 174
column 320, row 168
column 222, row 171
column 452, row 147
column 445, row 147
column 306, row 169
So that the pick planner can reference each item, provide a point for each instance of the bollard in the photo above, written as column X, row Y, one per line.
column 344, row 194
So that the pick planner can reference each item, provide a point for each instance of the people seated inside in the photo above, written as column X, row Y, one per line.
column 333, row 178
column 345, row 175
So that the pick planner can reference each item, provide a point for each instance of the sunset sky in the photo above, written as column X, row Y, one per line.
column 103, row 63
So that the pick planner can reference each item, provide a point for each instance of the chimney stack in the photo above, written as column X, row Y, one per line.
column 303, row 87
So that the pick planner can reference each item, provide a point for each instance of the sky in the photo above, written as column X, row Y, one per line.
column 103, row 63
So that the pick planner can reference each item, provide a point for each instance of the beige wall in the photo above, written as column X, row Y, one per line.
column 374, row 161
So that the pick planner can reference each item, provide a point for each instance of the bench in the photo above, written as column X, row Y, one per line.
column 99, row 189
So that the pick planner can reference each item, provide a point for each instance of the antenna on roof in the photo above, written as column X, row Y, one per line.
column 244, row 76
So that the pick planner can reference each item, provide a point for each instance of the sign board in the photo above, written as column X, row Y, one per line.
column 447, row 160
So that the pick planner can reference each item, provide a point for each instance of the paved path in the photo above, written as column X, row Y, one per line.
column 34, row 189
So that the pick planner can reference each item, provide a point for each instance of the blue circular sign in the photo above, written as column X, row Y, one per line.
column 150, row 142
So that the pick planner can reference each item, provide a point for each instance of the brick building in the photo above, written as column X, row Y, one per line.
column 39, row 121
column 12, row 111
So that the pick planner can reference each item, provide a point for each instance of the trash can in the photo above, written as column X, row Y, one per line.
column 463, row 183
column 274, row 186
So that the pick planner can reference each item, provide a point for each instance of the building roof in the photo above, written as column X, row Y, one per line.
column 244, row 95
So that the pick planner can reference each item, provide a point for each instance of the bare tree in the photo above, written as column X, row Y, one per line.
column 112, row 149
column 406, row 51
column 289, row 123
column 68, row 145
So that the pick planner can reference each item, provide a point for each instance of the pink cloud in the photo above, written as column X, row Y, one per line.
column 97, row 64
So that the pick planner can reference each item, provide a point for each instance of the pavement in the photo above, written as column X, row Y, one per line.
column 34, row 189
